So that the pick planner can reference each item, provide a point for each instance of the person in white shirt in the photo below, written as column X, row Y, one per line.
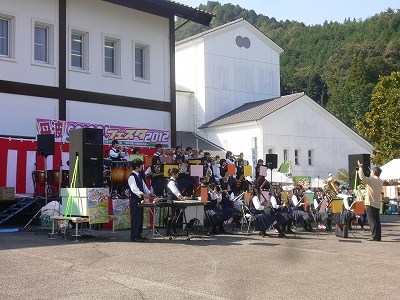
column 281, row 210
column 300, row 213
column 262, row 221
column 214, row 214
column 173, row 193
column 139, row 193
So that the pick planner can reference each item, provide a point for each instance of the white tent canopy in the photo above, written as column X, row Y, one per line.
column 317, row 183
column 278, row 177
column 391, row 171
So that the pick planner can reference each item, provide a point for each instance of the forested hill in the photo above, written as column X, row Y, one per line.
column 336, row 64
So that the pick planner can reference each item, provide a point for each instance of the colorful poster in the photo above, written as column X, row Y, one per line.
column 97, row 205
column 302, row 180
column 121, row 213
column 125, row 135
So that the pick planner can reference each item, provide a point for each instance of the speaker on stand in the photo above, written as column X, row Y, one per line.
column 45, row 147
column 271, row 161
column 87, row 145
column 365, row 159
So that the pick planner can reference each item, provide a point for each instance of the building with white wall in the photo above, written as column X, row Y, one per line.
column 105, row 62
column 295, row 127
column 232, row 78
column 226, row 67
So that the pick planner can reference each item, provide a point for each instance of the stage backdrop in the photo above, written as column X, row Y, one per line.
column 18, row 157
column 143, row 137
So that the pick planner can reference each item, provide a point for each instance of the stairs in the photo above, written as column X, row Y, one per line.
column 16, row 209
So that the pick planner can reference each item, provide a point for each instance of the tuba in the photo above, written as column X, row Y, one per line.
column 332, row 191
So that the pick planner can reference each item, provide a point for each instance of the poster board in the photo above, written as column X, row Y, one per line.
column 247, row 171
column 231, row 170
column 196, row 170
column 167, row 168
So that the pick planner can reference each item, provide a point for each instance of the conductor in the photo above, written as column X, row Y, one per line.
column 372, row 199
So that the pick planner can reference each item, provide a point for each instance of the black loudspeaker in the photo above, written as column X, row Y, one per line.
column 271, row 161
column 365, row 159
column 45, row 144
column 87, row 144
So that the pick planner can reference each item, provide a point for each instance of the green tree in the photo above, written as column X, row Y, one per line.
column 382, row 126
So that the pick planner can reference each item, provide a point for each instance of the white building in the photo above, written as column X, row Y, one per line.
column 225, row 67
column 295, row 127
column 103, row 62
column 233, row 90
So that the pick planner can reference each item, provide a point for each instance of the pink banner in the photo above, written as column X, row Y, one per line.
column 125, row 135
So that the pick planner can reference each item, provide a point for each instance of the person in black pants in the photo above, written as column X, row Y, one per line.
column 138, row 193
column 372, row 200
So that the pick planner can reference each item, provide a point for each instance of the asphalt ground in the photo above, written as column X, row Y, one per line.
column 233, row 266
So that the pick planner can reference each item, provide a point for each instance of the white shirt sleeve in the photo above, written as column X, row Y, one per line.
column 172, row 186
column 346, row 203
column 113, row 153
column 315, row 203
column 256, row 203
column 148, row 171
column 294, row 200
column 133, row 186
column 274, row 203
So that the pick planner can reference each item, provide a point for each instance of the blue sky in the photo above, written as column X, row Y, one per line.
column 310, row 12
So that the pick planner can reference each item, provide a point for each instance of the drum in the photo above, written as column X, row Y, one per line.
column 128, row 168
column 117, row 172
column 38, row 183
column 53, row 182
column 65, row 179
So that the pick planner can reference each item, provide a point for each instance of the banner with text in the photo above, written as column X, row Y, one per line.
column 143, row 137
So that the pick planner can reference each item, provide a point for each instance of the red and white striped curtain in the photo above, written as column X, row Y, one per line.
column 19, row 159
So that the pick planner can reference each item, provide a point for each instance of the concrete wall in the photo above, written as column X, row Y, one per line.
column 130, row 27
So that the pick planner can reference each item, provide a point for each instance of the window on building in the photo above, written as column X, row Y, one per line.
column 41, row 44
column 109, row 56
column 285, row 155
column 142, row 61
column 297, row 157
column 310, row 157
column 79, row 51
column 4, row 37
column 112, row 56
column 254, row 142
column 270, row 151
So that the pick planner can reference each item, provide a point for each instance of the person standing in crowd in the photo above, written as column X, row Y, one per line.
column 139, row 193
column 173, row 193
column 372, row 200
column 115, row 151
column 156, row 173
column 159, row 150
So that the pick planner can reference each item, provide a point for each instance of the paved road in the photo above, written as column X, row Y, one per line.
column 308, row 266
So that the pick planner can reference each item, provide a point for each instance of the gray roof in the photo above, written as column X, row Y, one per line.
column 189, row 139
column 252, row 111
column 193, row 37
column 181, row 88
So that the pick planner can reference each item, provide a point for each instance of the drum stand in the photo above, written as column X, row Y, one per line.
column 45, row 190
